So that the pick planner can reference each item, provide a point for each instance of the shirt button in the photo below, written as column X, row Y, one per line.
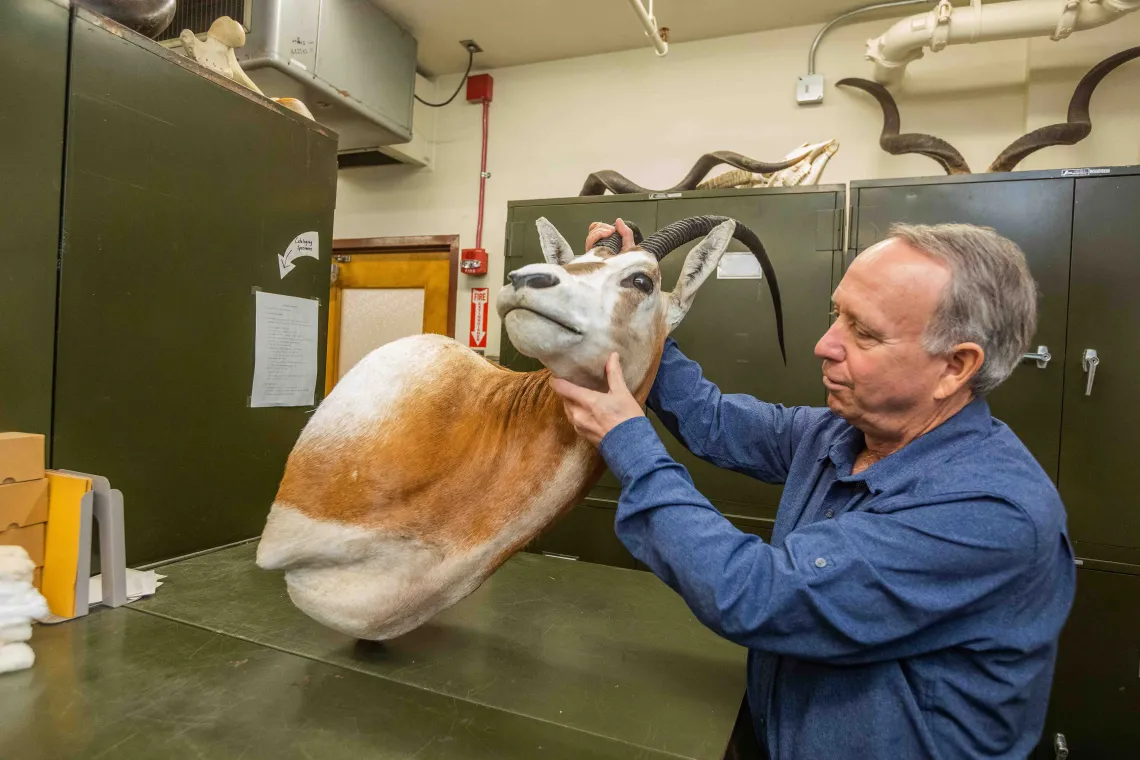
column 820, row 562
column 829, row 513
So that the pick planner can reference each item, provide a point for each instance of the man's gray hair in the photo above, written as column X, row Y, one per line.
column 991, row 299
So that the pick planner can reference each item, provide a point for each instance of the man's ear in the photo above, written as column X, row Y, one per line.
column 700, row 262
column 963, row 362
column 555, row 249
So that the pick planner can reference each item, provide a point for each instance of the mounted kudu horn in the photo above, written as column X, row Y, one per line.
column 1077, row 126
column 599, row 182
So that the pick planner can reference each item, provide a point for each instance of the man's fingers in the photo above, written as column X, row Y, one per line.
column 598, row 231
column 574, row 393
column 614, row 376
column 627, row 242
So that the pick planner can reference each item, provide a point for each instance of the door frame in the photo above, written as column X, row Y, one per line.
column 396, row 245
column 418, row 243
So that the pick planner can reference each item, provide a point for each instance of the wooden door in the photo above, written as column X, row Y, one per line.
column 378, row 297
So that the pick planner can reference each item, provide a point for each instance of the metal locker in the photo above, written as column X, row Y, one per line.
column 1101, row 410
column 181, row 190
column 1095, row 699
column 33, row 73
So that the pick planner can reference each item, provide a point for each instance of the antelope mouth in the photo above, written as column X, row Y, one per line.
column 544, row 317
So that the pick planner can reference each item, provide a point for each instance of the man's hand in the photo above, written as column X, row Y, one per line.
column 601, row 231
column 595, row 414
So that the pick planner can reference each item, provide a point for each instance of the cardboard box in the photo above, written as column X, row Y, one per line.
column 21, row 457
column 31, row 538
column 38, row 578
column 23, row 504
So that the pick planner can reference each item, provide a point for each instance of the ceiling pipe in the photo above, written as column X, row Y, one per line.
column 848, row 15
column 649, row 24
column 809, row 89
column 946, row 25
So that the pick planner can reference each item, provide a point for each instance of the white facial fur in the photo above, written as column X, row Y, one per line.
column 594, row 306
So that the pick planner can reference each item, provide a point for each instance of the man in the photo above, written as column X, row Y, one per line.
column 919, row 573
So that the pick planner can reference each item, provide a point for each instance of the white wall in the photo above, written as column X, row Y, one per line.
column 650, row 118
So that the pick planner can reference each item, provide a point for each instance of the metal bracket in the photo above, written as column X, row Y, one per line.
column 1060, row 747
column 1068, row 20
column 940, row 36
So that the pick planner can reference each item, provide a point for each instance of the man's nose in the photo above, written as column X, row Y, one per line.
column 534, row 280
column 830, row 347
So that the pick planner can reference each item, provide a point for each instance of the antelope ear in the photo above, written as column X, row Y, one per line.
column 700, row 262
column 555, row 249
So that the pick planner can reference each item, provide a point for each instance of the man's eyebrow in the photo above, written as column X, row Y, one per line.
column 858, row 321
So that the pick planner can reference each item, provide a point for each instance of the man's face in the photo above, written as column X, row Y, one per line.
column 878, row 376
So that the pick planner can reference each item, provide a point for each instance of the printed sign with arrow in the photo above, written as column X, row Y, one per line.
column 479, row 300
column 305, row 244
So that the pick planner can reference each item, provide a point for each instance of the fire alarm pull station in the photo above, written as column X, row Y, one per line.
column 473, row 261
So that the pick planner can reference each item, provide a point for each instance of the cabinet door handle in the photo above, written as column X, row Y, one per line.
column 1042, row 357
column 1089, row 360
column 1060, row 747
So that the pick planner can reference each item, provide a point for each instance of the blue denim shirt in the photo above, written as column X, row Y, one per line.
column 909, row 611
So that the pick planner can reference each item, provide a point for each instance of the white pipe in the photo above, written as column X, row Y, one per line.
column 649, row 23
column 904, row 41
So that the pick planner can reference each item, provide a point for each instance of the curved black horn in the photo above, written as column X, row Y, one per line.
column 1078, row 124
column 613, row 242
column 675, row 235
column 598, row 182
column 910, row 142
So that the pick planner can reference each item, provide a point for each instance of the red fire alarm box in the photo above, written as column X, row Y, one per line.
column 480, row 88
column 473, row 261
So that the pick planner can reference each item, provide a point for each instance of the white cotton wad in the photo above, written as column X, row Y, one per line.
column 20, row 604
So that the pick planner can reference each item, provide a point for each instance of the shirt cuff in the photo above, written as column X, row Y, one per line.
column 631, row 446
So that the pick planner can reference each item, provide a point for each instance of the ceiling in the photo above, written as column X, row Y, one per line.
column 514, row 32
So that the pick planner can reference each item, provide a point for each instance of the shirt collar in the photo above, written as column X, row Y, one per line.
column 972, row 419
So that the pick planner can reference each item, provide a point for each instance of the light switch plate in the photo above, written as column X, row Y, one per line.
column 809, row 89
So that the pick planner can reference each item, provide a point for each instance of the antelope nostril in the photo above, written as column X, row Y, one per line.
column 533, row 280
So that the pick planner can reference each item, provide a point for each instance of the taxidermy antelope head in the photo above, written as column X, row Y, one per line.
column 1077, row 126
column 427, row 466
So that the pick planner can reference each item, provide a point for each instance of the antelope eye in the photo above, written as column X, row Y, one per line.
column 640, row 281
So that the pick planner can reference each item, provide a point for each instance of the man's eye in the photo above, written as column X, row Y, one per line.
column 641, row 282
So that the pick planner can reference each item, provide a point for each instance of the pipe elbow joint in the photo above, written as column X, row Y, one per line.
column 890, row 66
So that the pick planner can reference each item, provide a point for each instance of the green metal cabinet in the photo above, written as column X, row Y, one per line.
column 1095, row 703
column 1100, row 422
column 33, row 83
column 1033, row 211
column 181, row 189
column 730, row 329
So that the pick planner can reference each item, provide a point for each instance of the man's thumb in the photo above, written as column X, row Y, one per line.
column 614, row 376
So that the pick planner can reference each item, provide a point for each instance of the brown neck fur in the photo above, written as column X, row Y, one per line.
column 462, row 481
